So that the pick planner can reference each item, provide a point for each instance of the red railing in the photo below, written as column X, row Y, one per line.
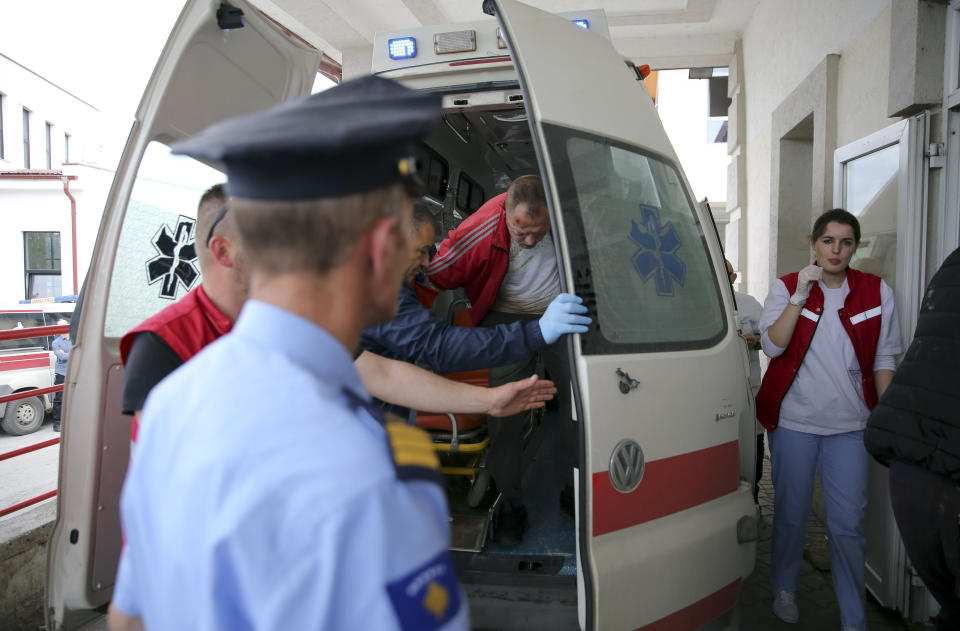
column 19, row 334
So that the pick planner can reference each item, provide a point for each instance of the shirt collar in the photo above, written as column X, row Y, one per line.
column 301, row 340
column 220, row 322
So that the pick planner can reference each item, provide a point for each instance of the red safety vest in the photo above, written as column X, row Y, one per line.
column 186, row 326
column 860, row 317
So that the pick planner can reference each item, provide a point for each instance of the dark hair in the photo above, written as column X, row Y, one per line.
column 527, row 189
column 214, row 193
column 836, row 215
column 421, row 215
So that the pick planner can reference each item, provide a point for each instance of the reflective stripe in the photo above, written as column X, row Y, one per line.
column 810, row 315
column 466, row 242
column 866, row 315
column 468, row 246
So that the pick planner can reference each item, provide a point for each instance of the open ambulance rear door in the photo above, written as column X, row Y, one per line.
column 666, row 518
column 208, row 71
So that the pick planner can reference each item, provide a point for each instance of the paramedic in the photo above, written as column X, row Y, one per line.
column 831, row 333
column 749, row 310
column 503, row 256
column 915, row 430
column 61, row 347
column 243, row 519
column 163, row 342
column 416, row 335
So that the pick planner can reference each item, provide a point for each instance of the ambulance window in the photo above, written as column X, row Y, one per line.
column 469, row 194
column 636, row 246
column 21, row 320
column 155, row 262
column 434, row 170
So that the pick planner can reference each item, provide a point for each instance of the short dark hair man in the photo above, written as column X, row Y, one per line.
column 504, row 258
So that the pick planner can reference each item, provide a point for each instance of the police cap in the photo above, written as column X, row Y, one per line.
column 354, row 137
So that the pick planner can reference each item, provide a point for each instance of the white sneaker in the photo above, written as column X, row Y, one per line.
column 785, row 607
column 849, row 628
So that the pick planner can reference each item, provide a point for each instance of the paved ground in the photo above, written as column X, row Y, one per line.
column 815, row 598
column 31, row 474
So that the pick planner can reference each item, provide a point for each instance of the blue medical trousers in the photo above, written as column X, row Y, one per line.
column 844, row 466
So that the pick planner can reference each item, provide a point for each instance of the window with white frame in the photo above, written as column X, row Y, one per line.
column 48, row 131
column 41, row 264
column 2, row 99
column 66, row 147
column 26, row 138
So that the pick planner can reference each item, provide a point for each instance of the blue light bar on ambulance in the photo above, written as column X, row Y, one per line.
column 582, row 23
column 402, row 48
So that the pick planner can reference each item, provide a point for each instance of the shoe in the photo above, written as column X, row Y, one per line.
column 510, row 525
column 566, row 502
column 849, row 628
column 785, row 607
column 56, row 427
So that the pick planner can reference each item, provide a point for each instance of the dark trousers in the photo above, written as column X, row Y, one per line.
column 505, row 455
column 57, row 399
column 759, row 469
column 927, row 508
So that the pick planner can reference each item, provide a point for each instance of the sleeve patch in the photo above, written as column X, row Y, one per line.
column 428, row 597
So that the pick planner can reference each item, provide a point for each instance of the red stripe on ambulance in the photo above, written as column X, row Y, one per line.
column 669, row 486
column 699, row 613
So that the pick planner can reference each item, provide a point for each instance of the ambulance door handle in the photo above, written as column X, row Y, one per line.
column 627, row 383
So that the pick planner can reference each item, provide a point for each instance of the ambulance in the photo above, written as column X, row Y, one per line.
column 665, row 528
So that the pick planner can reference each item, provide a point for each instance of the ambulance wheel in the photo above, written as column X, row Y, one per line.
column 479, row 489
column 23, row 416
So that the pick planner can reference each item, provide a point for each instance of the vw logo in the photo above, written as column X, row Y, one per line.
column 626, row 466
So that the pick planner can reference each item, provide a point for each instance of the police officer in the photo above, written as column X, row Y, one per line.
column 292, row 505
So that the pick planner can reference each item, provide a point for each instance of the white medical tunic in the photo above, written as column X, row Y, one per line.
column 263, row 495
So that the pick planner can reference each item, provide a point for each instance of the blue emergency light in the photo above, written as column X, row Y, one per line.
column 402, row 48
column 582, row 23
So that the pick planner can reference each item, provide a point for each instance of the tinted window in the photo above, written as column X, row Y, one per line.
column 469, row 194
column 637, row 247
column 15, row 320
column 434, row 170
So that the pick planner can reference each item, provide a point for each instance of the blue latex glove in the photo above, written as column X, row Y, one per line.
column 562, row 317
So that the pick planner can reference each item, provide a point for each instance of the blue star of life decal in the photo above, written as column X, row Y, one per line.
column 657, row 255
column 175, row 264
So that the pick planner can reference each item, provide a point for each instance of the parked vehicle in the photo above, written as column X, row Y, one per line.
column 665, row 526
column 28, row 364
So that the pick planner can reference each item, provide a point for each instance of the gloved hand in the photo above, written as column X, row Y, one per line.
column 562, row 317
column 805, row 279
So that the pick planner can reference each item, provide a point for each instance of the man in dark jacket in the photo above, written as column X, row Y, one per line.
column 915, row 430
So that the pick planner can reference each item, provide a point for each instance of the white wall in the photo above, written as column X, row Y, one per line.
column 782, row 44
column 683, row 105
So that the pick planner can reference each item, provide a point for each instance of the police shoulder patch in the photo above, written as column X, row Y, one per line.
column 414, row 455
column 428, row 597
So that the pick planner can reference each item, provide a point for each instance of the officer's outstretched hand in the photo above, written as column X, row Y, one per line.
column 562, row 317
column 518, row 396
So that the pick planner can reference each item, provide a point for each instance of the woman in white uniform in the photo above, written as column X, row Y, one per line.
column 831, row 333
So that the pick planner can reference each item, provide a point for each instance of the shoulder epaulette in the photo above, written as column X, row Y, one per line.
column 414, row 455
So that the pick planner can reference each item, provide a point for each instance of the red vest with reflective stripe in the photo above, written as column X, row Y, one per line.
column 860, row 317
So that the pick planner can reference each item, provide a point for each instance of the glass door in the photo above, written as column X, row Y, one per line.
column 879, row 179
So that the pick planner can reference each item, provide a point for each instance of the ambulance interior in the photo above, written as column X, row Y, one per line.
column 472, row 156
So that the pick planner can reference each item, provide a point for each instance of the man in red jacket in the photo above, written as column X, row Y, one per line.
column 504, row 257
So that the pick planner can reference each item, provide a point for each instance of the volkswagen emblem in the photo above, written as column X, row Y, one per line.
column 626, row 466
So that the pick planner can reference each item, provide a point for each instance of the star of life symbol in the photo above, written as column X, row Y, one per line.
column 176, row 263
column 657, row 255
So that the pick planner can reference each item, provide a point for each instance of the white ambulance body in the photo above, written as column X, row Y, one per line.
column 665, row 524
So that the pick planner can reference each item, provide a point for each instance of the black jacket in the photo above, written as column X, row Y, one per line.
column 918, row 418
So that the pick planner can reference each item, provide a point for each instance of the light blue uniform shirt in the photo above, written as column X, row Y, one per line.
column 261, row 497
